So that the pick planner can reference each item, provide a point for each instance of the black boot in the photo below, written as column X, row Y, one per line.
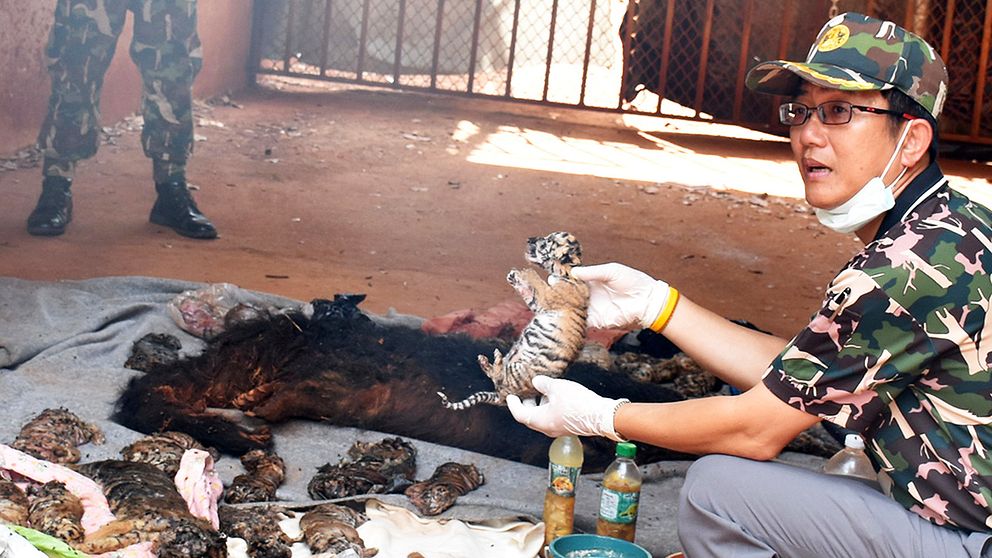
column 54, row 209
column 175, row 208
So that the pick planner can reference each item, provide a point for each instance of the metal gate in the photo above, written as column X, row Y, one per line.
column 673, row 58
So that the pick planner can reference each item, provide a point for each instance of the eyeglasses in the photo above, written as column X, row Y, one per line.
column 832, row 113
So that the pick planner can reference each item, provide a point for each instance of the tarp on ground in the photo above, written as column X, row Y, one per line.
column 64, row 344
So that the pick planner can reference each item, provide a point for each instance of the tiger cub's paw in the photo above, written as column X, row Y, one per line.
column 518, row 280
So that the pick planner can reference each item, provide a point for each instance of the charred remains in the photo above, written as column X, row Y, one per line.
column 337, row 365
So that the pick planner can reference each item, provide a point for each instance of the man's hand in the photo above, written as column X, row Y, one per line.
column 621, row 296
column 567, row 408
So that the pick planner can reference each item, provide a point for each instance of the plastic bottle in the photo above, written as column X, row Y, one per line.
column 851, row 461
column 565, row 463
column 621, row 492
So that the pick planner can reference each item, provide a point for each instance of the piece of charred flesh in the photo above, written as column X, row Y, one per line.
column 265, row 471
column 164, row 450
column 54, row 434
column 332, row 528
column 148, row 507
column 449, row 481
column 56, row 511
column 13, row 503
column 259, row 527
column 377, row 468
column 153, row 350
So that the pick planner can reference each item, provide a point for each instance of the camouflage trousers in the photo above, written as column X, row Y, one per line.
column 166, row 50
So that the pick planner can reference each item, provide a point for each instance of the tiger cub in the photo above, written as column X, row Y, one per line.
column 554, row 336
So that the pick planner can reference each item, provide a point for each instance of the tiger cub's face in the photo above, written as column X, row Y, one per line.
column 557, row 253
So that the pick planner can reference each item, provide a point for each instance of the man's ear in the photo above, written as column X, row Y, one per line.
column 917, row 142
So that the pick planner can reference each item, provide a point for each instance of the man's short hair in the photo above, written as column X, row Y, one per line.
column 903, row 103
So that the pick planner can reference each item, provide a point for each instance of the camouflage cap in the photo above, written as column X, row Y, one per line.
column 854, row 52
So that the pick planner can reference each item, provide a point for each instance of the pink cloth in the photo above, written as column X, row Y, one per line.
column 200, row 485
column 96, row 511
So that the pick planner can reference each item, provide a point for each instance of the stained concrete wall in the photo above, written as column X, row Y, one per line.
column 225, row 31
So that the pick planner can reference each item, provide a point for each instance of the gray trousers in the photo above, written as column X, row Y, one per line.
column 738, row 508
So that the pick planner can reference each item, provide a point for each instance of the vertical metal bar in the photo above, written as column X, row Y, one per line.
column 438, row 21
column 551, row 49
column 628, row 25
column 983, row 68
column 588, row 55
column 872, row 9
column 945, row 44
column 289, row 36
column 742, row 59
column 362, row 47
column 258, row 10
column 474, row 51
column 513, row 46
column 784, row 41
column 704, row 55
column 666, row 53
column 399, row 43
column 910, row 14
column 327, row 36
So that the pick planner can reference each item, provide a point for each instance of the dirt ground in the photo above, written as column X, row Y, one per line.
column 425, row 202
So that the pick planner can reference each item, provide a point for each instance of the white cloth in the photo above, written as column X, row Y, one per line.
column 398, row 532
column 16, row 546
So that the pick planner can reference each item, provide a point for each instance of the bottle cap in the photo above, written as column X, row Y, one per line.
column 854, row 441
column 626, row 449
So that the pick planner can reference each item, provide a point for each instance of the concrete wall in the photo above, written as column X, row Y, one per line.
column 225, row 31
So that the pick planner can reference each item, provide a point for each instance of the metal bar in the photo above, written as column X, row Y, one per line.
column 398, row 60
column 258, row 11
column 666, row 53
column 629, row 22
column 362, row 39
column 910, row 15
column 784, row 41
column 474, row 51
column 983, row 67
column 588, row 54
column 438, row 21
column 945, row 44
column 551, row 49
column 327, row 36
column 289, row 36
column 704, row 55
column 742, row 59
column 513, row 46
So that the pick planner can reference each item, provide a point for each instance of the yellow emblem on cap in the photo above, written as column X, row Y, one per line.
column 834, row 38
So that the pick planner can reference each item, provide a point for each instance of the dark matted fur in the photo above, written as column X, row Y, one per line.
column 341, row 367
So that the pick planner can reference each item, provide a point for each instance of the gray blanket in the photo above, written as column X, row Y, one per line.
column 65, row 343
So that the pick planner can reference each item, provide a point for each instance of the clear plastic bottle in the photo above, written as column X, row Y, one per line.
column 565, row 463
column 852, row 461
column 621, row 493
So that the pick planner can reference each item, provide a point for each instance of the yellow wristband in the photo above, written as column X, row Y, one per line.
column 666, row 313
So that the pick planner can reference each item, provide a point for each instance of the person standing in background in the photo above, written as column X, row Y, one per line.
column 167, row 51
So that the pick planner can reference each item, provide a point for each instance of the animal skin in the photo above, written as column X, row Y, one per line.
column 337, row 365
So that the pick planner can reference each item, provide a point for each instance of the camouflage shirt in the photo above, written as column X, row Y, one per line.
column 898, row 353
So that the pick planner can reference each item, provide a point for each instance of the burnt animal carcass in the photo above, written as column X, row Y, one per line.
column 339, row 366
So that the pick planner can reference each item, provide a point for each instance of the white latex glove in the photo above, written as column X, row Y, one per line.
column 621, row 296
column 567, row 408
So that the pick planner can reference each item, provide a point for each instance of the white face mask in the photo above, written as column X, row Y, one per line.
column 872, row 200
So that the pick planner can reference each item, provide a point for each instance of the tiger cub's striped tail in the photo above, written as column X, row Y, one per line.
column 490, row 397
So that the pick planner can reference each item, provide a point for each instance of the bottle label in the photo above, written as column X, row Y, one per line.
column 618, row 507
column 561, row 479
